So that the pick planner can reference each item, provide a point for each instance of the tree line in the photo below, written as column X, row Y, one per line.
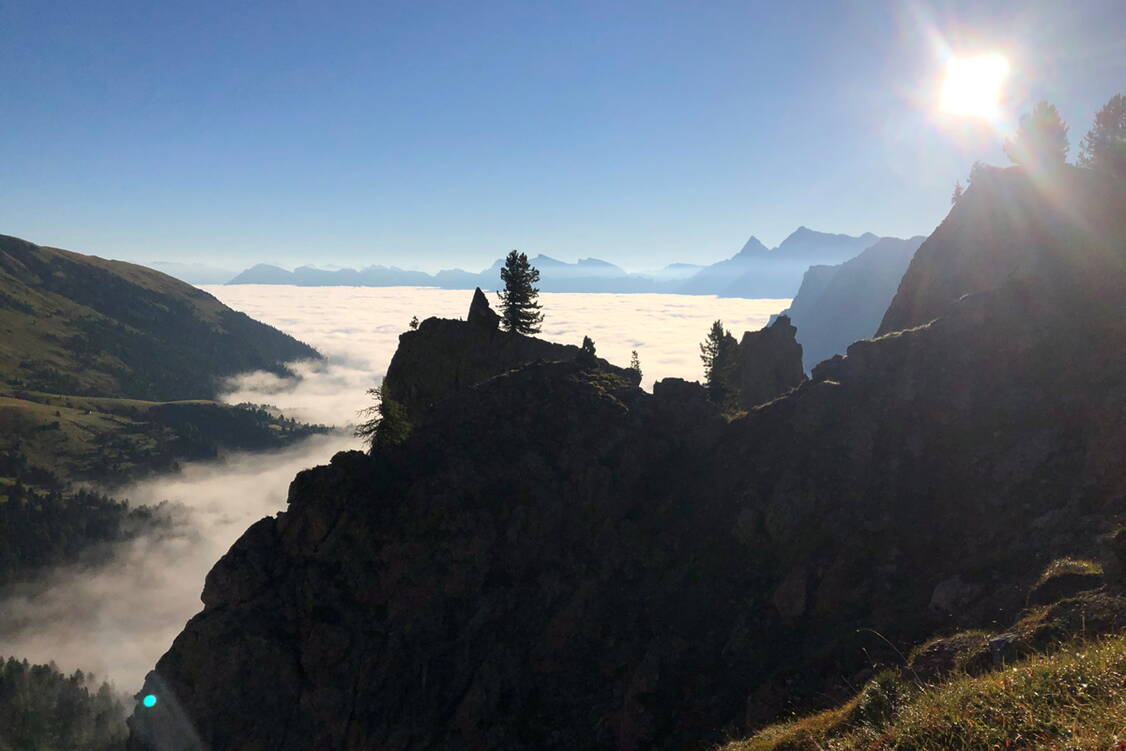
column 1041, row 141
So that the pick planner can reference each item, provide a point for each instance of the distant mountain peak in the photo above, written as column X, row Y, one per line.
column 753, row 246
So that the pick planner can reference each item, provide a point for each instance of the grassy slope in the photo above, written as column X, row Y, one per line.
column 1074, row 698
column 72, row 323
column 1071, row 694
column 48, row 440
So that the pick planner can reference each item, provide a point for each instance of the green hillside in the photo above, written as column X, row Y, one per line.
column 78, row 324
column 107, row 373
column 48, row 440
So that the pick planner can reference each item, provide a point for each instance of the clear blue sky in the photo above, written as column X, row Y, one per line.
column 435, row 134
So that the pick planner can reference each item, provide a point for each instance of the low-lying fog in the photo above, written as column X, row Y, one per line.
column 117, row 619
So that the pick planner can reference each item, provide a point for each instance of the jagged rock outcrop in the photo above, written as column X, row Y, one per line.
column 443, row 355
column 556, row 560
column 770, row 363
column 481, row 313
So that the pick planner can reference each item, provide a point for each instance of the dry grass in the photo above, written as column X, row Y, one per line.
column 1062, row 566
column 1073, row 700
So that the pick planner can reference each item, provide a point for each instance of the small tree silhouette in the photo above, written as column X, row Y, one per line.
column 386, row 423
column 958, row 191
column 520, row 311
column 1041, row 140
column 588, row 346
column 719, row 353
column 414, row 323
column 635, row 363
column 1104, row 146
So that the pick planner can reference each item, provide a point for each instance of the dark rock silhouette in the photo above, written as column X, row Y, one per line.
column 556, row 560
column 444, row 355
column 481, row 313
column 1021, row 237
column 770, row 363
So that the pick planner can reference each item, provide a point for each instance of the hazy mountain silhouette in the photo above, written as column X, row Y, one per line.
column 755, row 271
column 838, row 305
column 778, row 272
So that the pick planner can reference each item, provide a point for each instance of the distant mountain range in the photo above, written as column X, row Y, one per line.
column 755, row 271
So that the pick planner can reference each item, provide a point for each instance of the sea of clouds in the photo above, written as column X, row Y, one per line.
column 117, row 618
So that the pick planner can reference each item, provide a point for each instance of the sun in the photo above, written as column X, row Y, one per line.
column 972, row 87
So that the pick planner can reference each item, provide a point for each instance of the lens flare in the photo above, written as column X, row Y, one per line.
column 973, row 86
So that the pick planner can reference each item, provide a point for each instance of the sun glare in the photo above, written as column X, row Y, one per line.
column 972, row 86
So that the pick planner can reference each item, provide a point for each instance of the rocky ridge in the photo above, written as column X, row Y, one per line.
column 555, row 559
column 443, row 355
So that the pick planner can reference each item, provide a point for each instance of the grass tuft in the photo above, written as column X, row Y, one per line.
column 1062, row 566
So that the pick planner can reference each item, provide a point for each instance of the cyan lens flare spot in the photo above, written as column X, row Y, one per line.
column 149, row 701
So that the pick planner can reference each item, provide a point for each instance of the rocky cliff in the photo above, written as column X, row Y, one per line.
column 444, row 355
column 770, row 363
column 556, row 560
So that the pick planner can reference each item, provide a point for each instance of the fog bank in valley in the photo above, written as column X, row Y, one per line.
column 116, row 619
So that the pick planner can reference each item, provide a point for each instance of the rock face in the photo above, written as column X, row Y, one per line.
column 1009, row 232
column 770, row 363
column 443, row 355
column 556, row 560
column 838, row 305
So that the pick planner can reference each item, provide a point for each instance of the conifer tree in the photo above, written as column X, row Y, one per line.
column 1041, row 140
column 719, row 353
column 1104, row 146
column 520, row 311
column 958, row 191
column 387, row 423
column 635, row 363
column 414, row 323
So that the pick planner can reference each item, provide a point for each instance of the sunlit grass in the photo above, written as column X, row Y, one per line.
column 1063, row 566
column 1073, row 699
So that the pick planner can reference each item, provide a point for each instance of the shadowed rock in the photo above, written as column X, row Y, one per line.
column 444, row 355
column 556, row 560
column 481, row 313
column 769, row 363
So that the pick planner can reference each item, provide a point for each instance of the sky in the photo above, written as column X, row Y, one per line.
column 442, row 134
